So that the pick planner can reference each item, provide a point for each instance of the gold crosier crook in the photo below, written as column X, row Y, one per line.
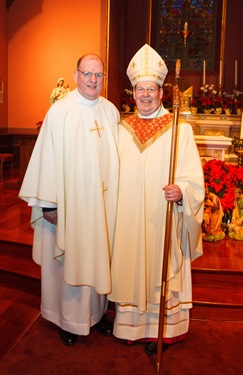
column 167, row 242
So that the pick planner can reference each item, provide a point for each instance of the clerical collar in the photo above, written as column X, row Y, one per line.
column 159, row 112
column 87, row 102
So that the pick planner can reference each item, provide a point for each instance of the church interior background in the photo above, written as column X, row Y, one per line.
column 41, row 41
column 198, row 32
column 204, row 34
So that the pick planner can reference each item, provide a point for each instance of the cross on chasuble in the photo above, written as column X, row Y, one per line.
column 96, row 128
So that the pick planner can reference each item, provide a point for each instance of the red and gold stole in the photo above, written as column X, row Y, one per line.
column 146, row 131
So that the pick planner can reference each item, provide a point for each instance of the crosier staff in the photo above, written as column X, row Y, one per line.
column 167, row 243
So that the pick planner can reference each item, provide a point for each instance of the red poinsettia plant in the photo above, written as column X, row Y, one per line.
column 202, row 103
column 39, row 125
column 222, row 179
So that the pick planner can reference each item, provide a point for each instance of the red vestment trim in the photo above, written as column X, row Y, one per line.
column 146, row 131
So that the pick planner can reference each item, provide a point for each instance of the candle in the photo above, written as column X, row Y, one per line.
column 185, row 26
column 220, row 72
column 204, row 72
column 236, row 72
column 241, row 128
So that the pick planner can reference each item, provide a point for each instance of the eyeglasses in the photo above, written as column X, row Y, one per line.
column 150, row 90
column 90, row 74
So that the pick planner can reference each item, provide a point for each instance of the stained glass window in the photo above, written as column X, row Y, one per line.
column 200, row 16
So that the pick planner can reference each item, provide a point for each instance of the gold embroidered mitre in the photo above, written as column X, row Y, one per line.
column 147, row 65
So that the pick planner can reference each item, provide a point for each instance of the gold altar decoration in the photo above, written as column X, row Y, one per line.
column 185, row 33
column 186, row 97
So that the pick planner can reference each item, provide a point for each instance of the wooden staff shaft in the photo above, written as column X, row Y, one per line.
column 168, row 226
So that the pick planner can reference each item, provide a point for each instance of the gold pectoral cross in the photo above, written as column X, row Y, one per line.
column 96, row 129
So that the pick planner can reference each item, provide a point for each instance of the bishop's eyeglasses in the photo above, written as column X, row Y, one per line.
column 150, row 90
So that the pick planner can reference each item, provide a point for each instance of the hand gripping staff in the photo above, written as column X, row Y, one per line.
column 167, row 243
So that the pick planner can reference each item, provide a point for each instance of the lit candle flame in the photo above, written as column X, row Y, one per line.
column 186, row 26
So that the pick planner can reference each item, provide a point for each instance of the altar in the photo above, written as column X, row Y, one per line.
column 214, row 125
column 213, row 135
column 215, row 147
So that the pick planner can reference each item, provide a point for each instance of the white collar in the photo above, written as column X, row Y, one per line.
column 85, row 101
column 162, row 111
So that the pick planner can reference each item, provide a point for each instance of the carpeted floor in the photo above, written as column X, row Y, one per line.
column 211, row 348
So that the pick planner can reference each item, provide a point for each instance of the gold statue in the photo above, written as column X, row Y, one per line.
column 236, row 226
column 212, row 220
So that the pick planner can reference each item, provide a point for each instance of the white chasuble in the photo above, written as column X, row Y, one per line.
column 144, row 151
column 74, row 167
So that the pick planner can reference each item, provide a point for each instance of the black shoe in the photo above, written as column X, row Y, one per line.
column 104, row 327
column 151, row 347
column 68, row 338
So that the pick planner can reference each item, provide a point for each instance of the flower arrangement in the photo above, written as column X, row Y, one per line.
column 238, row 104
column 217, row 103
column 167, row 96
column 128, row 104
column 233, row 105
column 222, row 179
column 237, row 142
column 208, row 103
column 229, row 104
column 208, row 89
column 196, row 102
column 39, row 125
column 202, row 104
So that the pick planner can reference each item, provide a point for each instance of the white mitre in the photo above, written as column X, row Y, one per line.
column 147, row 65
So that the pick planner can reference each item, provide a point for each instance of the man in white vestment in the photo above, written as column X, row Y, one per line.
column 144, row 152
column 71, row 182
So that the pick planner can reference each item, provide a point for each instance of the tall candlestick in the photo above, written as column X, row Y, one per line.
column 220, row 72
column 185, row 26
column 241, row 128
column 204, row 72
column 236, row 72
